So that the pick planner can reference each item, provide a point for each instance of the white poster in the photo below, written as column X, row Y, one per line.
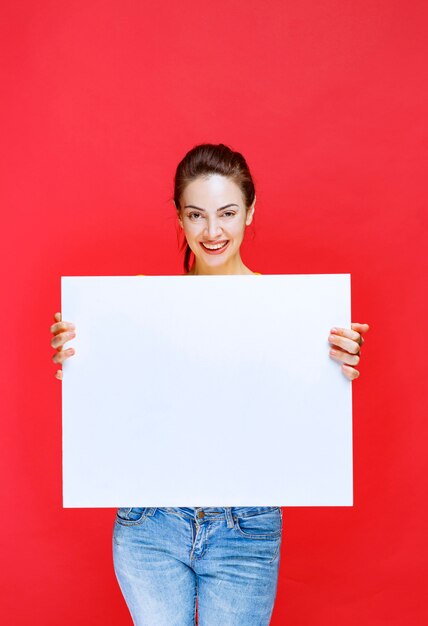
column 206, row 391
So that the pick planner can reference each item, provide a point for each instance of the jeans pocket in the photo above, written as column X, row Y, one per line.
column 261, row 525
column 130, row 516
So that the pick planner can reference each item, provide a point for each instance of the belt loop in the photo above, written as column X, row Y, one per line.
column 229, row 518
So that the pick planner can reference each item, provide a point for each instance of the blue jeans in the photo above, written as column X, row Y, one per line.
column 222, row 561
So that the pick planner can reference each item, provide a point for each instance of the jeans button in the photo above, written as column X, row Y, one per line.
column 201, row 514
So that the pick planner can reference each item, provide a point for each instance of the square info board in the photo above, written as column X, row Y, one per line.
column 206, row 391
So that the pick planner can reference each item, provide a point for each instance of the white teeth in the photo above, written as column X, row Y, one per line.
column 216, row 247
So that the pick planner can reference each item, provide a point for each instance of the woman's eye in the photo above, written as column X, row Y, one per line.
column 194, row 216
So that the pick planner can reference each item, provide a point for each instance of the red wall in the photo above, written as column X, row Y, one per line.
column 327, row 101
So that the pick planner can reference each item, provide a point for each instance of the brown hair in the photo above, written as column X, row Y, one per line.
column 205, row 159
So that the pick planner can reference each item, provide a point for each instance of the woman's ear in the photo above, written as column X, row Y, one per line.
column 250, row 212
column 180, row 221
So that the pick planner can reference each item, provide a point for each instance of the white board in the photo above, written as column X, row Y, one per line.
column 206, row 391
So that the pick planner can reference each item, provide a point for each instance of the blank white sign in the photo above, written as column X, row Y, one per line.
column 206, row 391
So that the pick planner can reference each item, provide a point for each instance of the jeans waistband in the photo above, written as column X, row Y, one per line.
column 199, row 513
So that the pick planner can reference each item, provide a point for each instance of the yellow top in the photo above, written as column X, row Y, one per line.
column 254, row 273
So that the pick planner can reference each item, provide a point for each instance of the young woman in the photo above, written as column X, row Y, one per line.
column 221, row 561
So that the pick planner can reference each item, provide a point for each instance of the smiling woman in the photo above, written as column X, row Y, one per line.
column 170, row 562
column 213, row 232
column 215, row 201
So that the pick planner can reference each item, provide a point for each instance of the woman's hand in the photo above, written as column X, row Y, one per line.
column 62, row 331
column 347, row 345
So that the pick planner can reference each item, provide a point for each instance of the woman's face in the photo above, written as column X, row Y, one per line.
column 213, row 212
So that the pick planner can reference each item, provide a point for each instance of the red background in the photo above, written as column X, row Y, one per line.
column 327, row 102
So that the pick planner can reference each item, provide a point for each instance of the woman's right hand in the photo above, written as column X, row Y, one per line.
column 62, row 332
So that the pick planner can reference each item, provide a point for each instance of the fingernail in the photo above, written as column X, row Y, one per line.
column 333, row 330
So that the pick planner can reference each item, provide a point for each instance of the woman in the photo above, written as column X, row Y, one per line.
column 222, row 561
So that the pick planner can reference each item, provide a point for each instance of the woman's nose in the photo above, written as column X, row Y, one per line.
column 213, row 229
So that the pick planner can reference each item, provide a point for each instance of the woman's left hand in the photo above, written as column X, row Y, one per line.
column 346, row 347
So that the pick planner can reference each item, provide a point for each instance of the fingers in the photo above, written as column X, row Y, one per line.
column 345, row 357
column 63, row 331
column 350, row 372
column 62, row 355
column 59, row 340
column 361, row 328
column 61, row 326
column 351, row 339
column 345, row 338
column 347, row 361
column 347, row 347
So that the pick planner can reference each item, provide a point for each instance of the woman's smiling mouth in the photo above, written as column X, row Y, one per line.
column 217, row 248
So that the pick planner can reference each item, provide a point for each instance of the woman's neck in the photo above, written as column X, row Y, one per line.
column 245, row 270
column 235, row 267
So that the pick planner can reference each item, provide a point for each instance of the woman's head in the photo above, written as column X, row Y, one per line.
column 214, row 197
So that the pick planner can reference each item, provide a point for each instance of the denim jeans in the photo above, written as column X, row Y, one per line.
column 223, row 562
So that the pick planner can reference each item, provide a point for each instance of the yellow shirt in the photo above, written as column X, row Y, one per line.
column 144, row 274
